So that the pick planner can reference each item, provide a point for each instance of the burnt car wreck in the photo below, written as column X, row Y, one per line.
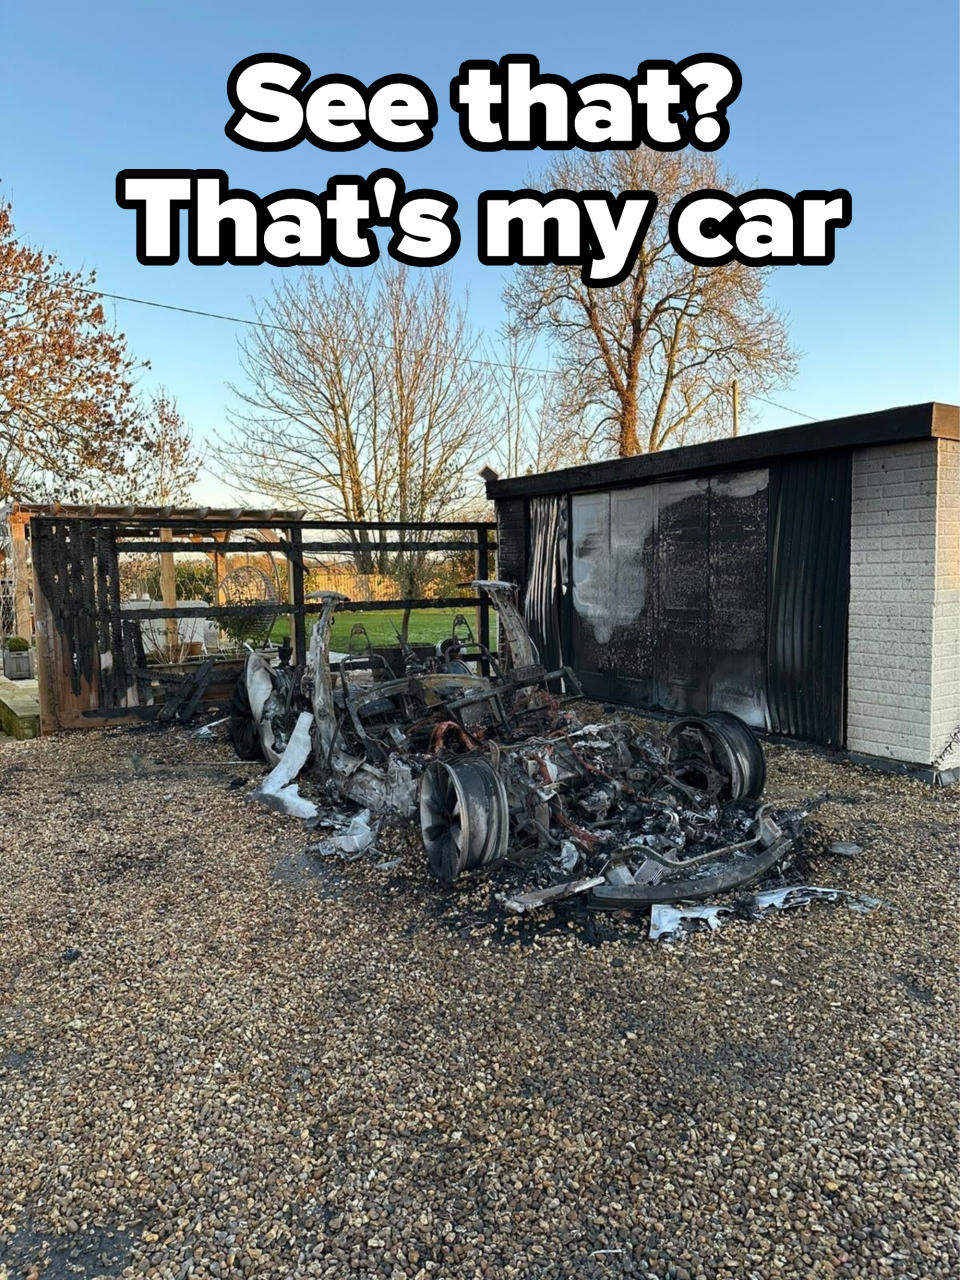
column 496, row 768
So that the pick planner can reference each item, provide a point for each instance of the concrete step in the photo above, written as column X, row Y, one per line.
column 19, row 708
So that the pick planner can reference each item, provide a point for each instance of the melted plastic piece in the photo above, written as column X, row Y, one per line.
column 278, row 789
column 799, row 895
column 259, row 689
column 358, row 836
column 666, row 921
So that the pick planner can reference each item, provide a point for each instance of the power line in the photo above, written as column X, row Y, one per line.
column 283, row 328
column 786, row 408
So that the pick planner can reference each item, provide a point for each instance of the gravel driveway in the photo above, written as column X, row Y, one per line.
column 221, row 1057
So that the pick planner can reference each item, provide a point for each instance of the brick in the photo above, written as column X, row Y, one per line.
column 894, row 560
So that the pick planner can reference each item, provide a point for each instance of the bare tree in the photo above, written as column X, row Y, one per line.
column 363, row 402
column 67, row 408
column 161, row 465
column 534, row 431
column 651, row 362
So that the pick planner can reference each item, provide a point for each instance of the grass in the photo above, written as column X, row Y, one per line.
column 427, row 626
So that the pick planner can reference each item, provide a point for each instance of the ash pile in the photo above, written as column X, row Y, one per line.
column 483, row 752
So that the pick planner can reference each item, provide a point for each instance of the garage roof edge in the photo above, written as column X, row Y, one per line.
column 930, row 420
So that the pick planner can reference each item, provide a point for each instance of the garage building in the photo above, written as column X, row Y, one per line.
column 807, row 579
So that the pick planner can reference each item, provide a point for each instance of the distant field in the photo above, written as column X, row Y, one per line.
column 427, row 626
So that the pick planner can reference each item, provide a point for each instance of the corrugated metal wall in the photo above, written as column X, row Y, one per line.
column 548, row 531
column 808, row 598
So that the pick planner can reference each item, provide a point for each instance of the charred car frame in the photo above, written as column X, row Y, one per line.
column 496, row 767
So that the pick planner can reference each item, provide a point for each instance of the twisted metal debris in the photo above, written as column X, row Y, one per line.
column 497, row 768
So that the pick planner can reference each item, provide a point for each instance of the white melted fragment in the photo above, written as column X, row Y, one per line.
column 278, row 789
column 666, row 921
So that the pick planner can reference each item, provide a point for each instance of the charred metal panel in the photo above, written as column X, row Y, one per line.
column 668, row 597
column 589, row 594
column 633, row 555
column 683, row 560
column 738, row 594
column 809, row 589
column 613, row 594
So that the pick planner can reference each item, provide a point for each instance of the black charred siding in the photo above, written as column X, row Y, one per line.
column 512, row 536
column 808, row 593
column 801, row 653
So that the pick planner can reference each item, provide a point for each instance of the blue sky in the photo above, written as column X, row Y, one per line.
column 840, row 94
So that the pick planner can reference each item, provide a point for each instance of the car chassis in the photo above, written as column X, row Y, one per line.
column 498, row 769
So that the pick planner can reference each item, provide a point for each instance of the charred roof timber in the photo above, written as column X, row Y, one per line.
column 888, row 426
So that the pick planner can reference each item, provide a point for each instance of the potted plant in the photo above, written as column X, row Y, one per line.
column 16, row 658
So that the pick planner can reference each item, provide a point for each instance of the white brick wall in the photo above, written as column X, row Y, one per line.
column 945, row 690
column 892, row 632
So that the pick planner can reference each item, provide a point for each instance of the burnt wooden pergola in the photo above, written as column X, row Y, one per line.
column 90, row 664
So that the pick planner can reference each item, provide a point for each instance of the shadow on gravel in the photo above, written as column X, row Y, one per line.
column 83, row 1255
column 746, row 1065
column 922, row 995
column 16, row 1060
column 331, row 881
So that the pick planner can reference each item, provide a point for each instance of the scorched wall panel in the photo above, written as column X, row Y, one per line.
column 668, row 593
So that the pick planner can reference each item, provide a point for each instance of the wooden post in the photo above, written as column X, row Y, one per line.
column 22, row 613
column 736, row 407
column 47, row 671
column 483, row 608
column 298, row 622
column 168, row 592
column 219, row 565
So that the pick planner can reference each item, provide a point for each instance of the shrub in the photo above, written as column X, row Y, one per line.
column 17, row 644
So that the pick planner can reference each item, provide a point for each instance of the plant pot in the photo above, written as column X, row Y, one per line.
column 16, row 666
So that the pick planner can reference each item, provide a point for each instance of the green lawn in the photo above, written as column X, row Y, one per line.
column 427, row 626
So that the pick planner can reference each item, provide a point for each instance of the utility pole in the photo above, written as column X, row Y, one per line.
column 736, row 407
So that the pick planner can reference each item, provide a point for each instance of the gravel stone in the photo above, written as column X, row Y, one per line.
column 262, row 1064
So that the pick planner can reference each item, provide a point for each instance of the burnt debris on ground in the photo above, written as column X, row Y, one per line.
column 485, row 753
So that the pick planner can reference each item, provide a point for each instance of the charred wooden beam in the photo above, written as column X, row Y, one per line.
column 289, row 549
column 310, row 606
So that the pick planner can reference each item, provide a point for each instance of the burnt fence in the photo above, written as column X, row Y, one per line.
column 116, row 640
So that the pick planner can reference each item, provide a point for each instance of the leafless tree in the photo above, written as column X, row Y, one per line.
column 534, row 431
column 650, row 362
column 364, row 401
column 161, row 464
